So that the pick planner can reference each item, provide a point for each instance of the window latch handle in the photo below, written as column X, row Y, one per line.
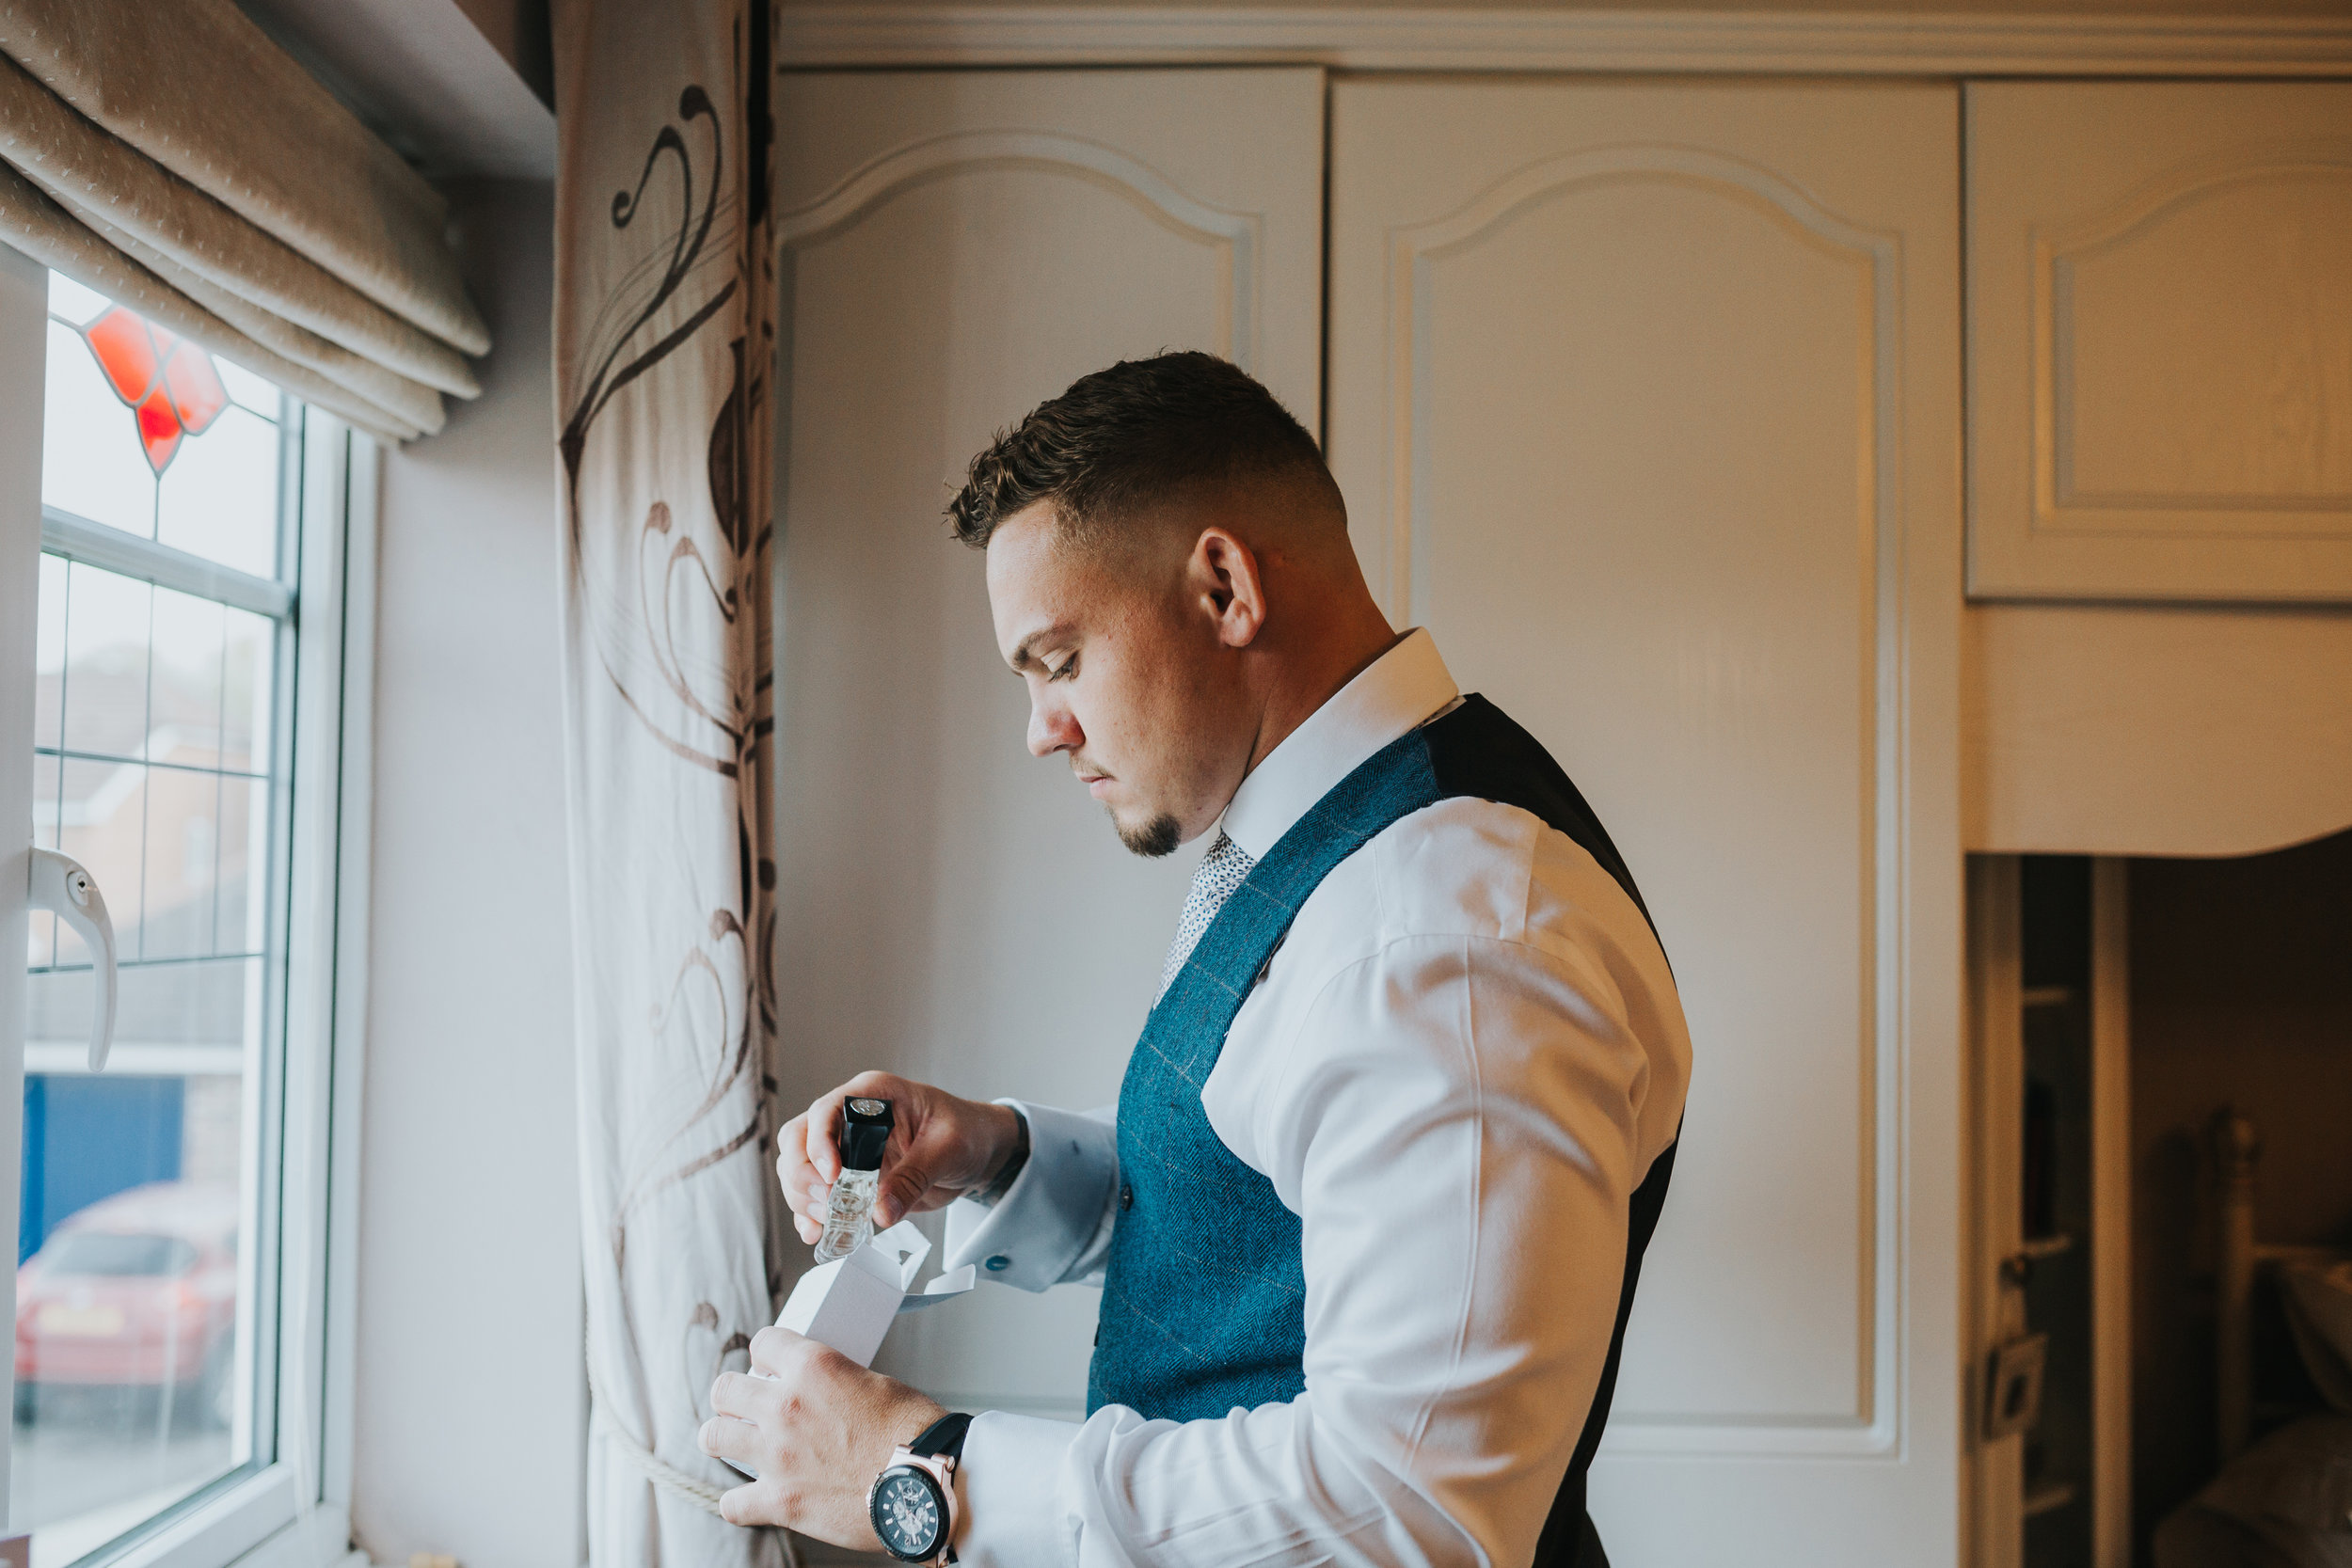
column 60, row 885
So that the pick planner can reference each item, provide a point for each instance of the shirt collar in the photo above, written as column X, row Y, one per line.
column 1395, row 694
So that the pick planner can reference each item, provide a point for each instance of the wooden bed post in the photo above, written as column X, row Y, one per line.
column 2236, row 1151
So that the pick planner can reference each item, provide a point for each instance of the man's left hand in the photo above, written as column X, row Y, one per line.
column 817, row 1428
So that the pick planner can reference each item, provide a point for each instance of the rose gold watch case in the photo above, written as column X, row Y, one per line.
column 942, row 1469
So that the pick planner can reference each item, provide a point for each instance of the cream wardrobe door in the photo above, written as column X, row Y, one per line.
column 1645, row 400
column 956, row 249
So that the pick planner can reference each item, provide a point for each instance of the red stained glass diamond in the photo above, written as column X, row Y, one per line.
column 159, row 429
column 197, row 395
column 169, row 384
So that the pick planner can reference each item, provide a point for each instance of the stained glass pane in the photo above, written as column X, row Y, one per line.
column 73, row 304
column 169, row 384
column 250, row 391
column 193, row 384
column 90, row 463
column 149, row 433
column 220, row 494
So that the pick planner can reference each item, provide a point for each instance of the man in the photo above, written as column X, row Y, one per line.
column 1369, row 1214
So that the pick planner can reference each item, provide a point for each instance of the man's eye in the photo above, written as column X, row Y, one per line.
column 1063, row 671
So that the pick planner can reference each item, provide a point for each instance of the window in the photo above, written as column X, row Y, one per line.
column 169, row 1227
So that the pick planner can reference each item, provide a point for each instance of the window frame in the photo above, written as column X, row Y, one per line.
column 292, row 1509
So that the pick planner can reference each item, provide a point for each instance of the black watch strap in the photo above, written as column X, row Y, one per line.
column 943, row 1437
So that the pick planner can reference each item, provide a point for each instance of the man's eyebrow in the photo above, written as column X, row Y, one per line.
column 1024, row 655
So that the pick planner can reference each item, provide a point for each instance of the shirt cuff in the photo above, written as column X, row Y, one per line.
column 1010, row 1476
column 1051, row 1215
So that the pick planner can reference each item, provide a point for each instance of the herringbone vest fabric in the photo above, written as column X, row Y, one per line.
column 1204, row 1293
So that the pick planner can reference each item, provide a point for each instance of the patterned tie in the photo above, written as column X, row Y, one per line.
column 1221, row 871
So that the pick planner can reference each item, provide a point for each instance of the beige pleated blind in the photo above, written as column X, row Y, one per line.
column 174, row 158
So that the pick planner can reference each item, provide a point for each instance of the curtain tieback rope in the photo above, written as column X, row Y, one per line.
column 702, row 1494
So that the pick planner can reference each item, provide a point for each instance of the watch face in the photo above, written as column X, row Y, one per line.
column 906, row 1514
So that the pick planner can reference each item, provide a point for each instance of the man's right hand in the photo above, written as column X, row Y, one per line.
column 941, row 1147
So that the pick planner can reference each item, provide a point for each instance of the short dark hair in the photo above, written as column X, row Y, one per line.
column 1121, row 439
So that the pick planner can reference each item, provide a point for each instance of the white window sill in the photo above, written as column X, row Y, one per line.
column 253, row 1524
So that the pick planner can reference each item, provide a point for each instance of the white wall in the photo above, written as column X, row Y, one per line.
column 471, row 1408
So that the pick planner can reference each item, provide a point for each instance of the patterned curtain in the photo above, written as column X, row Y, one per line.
column 664, row 331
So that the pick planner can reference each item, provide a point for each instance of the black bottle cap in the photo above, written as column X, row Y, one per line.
column 863, row 1132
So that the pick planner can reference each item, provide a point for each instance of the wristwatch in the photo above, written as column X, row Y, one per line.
column 913, row 1503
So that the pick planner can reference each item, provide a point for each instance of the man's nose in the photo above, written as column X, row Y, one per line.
column 1051, row 728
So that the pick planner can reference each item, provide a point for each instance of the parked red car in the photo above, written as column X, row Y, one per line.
column 136, row 1290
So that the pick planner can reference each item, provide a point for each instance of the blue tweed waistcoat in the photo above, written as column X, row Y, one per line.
column 1205, row 1294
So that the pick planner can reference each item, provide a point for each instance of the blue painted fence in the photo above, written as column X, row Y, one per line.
column 90, row 1138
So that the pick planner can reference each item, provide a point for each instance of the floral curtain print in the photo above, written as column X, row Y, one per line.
column 664, row 335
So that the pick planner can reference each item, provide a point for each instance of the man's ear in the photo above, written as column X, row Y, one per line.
column 1223, row 575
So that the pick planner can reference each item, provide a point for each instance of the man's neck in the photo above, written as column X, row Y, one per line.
column 1296, row 700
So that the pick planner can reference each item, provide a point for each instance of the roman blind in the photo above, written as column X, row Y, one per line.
column 175, row 159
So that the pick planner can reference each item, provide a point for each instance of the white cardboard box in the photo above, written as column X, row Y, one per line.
column 848, row 1303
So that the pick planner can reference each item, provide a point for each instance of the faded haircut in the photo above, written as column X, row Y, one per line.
column 1123, row 439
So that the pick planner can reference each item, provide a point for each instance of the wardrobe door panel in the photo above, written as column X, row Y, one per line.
column 2160, row 340
column 1645, row 400
column 957, row 247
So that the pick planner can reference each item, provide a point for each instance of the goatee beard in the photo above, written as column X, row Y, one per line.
column 1154, row 840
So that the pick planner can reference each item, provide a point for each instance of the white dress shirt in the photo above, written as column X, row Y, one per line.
column 1456, row 1070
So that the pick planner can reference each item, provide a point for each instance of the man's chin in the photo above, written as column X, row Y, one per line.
column 1152, row 839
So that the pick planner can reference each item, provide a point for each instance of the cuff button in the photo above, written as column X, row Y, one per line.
column 999, row 1263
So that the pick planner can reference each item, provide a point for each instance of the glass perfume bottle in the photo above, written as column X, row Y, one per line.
column 862, row 1131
